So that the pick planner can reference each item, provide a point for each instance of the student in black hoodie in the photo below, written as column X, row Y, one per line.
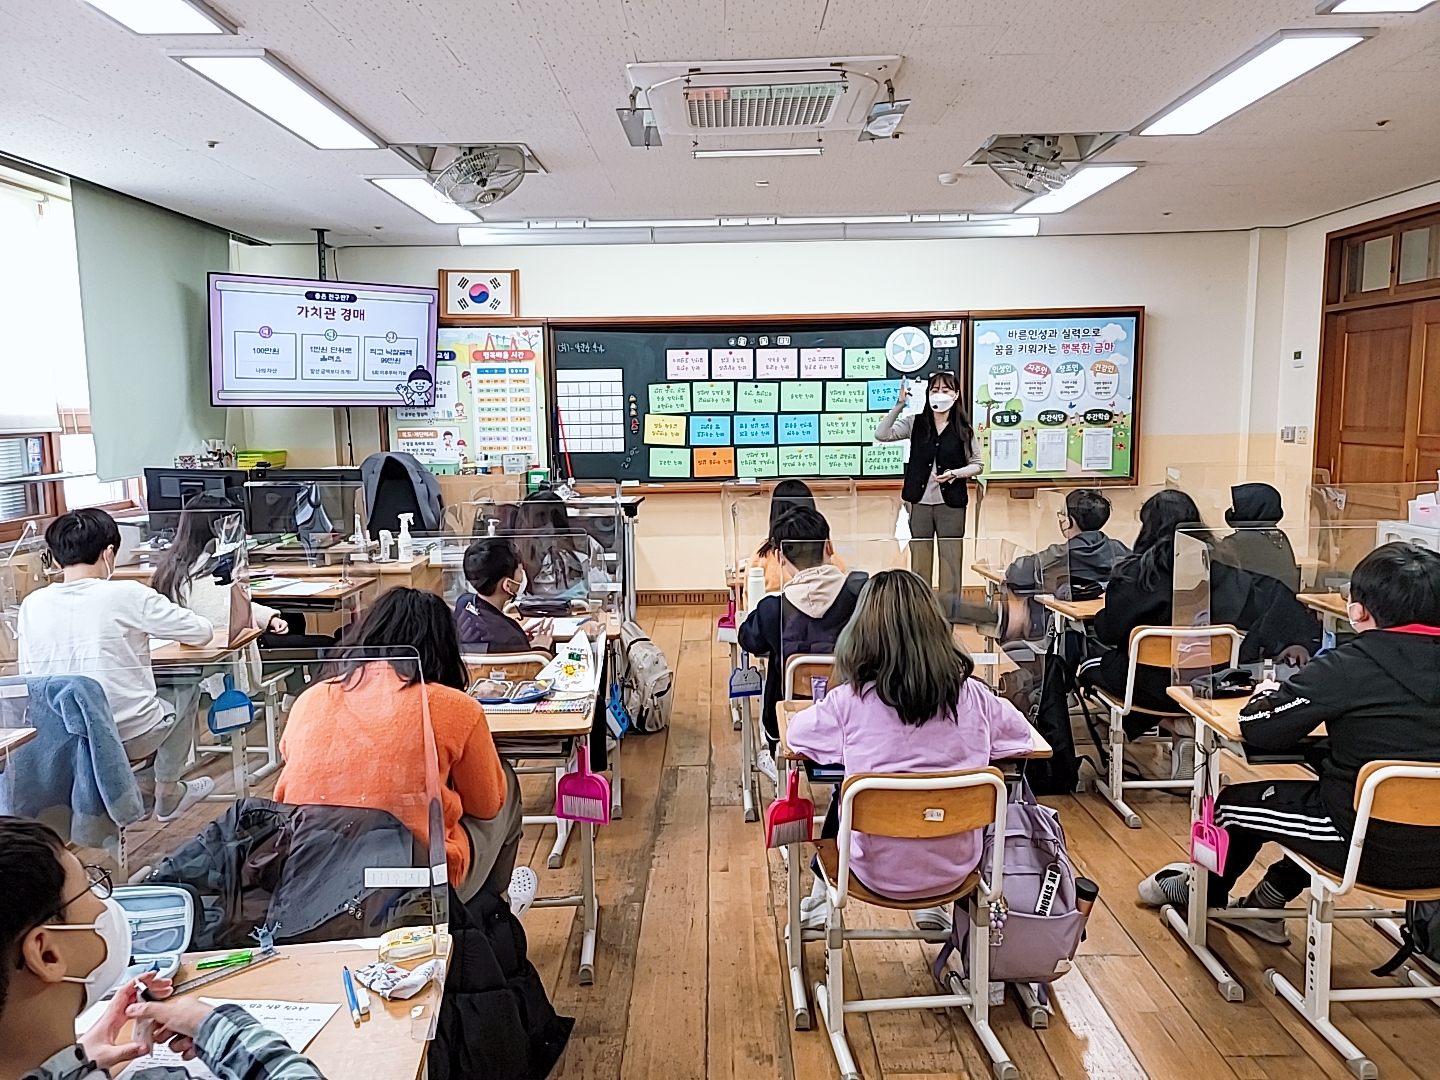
column 1080, row 567
column 1256, row 544
column 815, row 602
column 1379, row 697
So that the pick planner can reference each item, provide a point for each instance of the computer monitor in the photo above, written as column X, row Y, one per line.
column 168, row 490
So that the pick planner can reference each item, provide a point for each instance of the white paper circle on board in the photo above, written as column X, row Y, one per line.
column 907, row 349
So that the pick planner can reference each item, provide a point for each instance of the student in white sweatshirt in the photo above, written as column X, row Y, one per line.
column 89, row 624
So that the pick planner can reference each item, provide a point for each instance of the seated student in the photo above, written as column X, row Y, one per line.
column 787, row 495
column 561, row 560
column 902, row 699
column 1080, row 567
column 1379, row 697
column 63, row 943
column 350, row 739
column 1257, row 545
column 815, row 602
column 90, row 624
column 493, row 570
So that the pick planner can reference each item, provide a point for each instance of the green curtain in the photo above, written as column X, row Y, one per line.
column 143, row 303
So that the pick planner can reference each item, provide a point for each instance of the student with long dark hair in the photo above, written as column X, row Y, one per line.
column 352, row 739
column 944, row 454
column 561, row 560
column 195, row 570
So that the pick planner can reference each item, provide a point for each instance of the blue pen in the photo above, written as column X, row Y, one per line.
column 350, row 997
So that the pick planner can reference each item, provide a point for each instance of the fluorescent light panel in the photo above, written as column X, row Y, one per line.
column 1081, row 186
column 163, row 16
column 1371, row 7
column 890, row 226
column 417, row 193
column 1285, row 59
column 777, row 151
column 268, row 87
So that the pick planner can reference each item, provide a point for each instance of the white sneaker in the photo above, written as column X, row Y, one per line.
column 933, row 918
column 1271, row 930
column 816, row 917
column 816, row 898
column 766, row 765
column 195, row 790
column 1182, row 759
column 524, row 883
column 1168, row 885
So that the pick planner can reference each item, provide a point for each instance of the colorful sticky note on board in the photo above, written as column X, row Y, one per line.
column 732, row 363
column 670, row 397
column 868, row 423
column 754, row 430
column 709, row 430
column 713, row 396
column 717, row 462
column 839, row 460
column 883, row 459
column 864, row 363
column 839, row 427
column 757, row 397
column 664, row 430
column 799, row 460
column 820, row 363
column 669, row 463
column 687, row 364
column 882, row 394
column 798, row 428
column 777, row 363
column 754, row 461
column 800, row 397
column 845, row 397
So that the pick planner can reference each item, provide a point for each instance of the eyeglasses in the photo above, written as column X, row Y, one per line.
column 101, row 884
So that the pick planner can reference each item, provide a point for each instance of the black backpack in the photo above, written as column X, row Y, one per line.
column 1058, row 774
column 1420, row 933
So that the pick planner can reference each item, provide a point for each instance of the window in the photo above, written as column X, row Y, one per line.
column 1419, row 254
column 1382, row 261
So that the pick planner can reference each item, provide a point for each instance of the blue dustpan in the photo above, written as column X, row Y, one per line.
column 231, row 710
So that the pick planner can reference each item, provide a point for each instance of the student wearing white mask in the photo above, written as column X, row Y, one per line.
column 944, row 453
column 64, row 942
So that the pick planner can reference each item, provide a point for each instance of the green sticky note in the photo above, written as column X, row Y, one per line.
column 839, row 460
column 757, row 397
column 752, row 461
column 883, row 459
column 864, row 363
column 670, row 397
column 714, row 396
column 839, row 427
column 800, row 396
column 868, row 423
column 845, row 396
column 799, row 460
column 665, row 462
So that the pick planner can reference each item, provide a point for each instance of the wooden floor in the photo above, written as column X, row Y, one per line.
column 688, row 970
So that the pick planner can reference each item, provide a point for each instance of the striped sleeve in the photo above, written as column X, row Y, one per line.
column 236, row 1047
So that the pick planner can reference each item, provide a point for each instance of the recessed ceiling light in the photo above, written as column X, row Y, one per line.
column 762, row 183
column 263, row 83
column 1370, row 7
column 1081, row 186
column 164, row 16
column 1282, row 59
column 417, row 193
column 778, row 151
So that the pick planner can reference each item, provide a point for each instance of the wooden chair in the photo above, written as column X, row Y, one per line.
column 799, row 670
column 1159, row 647
column 918, row 807
column 1405, row 792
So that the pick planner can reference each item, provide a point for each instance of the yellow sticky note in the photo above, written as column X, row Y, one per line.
column 664, row 430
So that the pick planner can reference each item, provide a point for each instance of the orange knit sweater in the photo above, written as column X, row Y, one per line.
column 364, row 747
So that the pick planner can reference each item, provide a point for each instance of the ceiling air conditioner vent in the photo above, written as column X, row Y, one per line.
column 745, row 108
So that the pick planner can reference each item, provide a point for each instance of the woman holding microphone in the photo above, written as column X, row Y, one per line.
column 943, row 454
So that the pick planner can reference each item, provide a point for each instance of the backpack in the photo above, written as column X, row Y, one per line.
column 1029, row 946
column 1419, row 933
column 646, row 681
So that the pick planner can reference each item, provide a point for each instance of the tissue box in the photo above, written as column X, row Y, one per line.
column 1423, row 511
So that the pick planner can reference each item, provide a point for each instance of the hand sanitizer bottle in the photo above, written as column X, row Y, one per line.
column 406, row 543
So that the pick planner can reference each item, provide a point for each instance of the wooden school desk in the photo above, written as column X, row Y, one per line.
column 220, row 648
column 1075, row 612
column 1331, row 609
column 381, row 1046
column 795, row 952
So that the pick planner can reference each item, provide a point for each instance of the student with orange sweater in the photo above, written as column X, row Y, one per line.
column 351, row 740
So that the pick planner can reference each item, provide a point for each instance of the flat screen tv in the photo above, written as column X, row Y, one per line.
column 289, row 341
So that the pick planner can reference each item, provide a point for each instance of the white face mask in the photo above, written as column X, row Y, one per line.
column 114, row 929
column 524, row 583
column 941, row 402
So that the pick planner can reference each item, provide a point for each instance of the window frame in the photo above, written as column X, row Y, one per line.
column 52, row 492
column 1345, row 249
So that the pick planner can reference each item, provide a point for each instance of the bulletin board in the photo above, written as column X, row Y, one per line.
column 1055, row 394
column 668, row 401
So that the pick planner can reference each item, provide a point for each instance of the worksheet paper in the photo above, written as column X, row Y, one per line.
column 297, row 1022
column 1050, row 450
column 300, row 588
column 1097, row 448
column 1004, row 451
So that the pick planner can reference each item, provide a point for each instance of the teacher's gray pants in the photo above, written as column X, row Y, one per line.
column 942, row 526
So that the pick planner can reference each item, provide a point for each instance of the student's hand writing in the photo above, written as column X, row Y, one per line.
column 99, row 1042
column 176, row 1022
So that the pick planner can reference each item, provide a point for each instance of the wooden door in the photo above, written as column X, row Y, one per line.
column 1422, row 450
column 1366, row 384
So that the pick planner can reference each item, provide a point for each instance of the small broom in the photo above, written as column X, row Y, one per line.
column 582, row 795
column 789, row 820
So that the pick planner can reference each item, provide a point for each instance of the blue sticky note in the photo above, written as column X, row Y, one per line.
column 883, row 394
column 796, row 428
column 754, row 430
column 709, row 430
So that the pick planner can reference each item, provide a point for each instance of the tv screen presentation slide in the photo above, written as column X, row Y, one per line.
column 288, row 341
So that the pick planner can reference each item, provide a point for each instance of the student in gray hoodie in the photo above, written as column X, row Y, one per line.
column 1080, row 567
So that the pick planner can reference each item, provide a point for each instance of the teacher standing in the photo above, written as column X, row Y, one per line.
column 943, row 453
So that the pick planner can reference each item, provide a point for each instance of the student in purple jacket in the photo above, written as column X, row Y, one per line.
column 492, row 567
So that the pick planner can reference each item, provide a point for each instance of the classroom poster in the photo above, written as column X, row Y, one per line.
column 1053, row 397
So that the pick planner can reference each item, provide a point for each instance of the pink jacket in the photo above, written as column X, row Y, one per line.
column 866, row 735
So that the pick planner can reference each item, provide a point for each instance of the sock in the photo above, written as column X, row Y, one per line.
column 1265, row 895
column 1175, row 887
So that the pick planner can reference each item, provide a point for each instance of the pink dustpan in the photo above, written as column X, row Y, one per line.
column 582, row 795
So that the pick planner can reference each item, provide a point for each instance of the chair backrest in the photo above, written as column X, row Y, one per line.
column 509, row 666
column 800, row 669
column 1405, row 792
column 1160, row 646
column 921, row 806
